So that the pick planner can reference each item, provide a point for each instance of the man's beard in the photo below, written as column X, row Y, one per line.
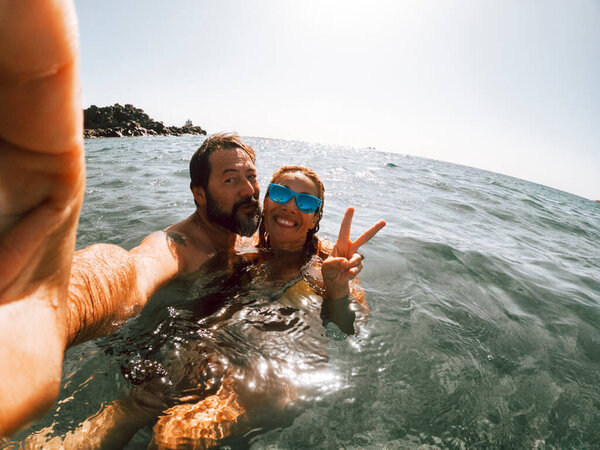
column 245, row 225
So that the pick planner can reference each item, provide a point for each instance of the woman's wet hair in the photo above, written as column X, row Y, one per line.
column 312, row 244
column 200, row 165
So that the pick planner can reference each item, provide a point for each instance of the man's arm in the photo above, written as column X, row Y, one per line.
column 41, row 189
column 109, row 284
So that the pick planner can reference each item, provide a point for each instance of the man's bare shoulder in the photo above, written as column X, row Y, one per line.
column 183, row 232
column 190, row 242
column 187, row 235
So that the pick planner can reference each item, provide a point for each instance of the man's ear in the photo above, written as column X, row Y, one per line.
column 199, row 195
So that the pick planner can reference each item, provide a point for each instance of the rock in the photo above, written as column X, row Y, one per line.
column 110, row 132
column 127, row 120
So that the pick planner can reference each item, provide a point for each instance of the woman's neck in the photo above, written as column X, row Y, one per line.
column 289, row 257
column 283, row 265
column 289, row 248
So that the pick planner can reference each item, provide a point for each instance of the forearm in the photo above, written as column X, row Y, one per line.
column 339, row 309
column 336, row 290
column 108, row 284
column 103, row 292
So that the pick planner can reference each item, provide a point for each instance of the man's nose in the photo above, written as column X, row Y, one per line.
column 248, row 189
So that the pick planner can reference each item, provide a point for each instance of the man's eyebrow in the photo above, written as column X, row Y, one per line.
column 237, row 170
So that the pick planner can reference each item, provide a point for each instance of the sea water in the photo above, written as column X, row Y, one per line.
column 484, row 291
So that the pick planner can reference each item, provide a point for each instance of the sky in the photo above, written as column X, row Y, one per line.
column 509, row 86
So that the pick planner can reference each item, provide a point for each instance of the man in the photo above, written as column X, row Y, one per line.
column 109, row 285
column 41, row 189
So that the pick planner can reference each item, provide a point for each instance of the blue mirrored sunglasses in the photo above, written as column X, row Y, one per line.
column 280, row 194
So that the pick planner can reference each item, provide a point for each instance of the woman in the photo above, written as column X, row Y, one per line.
column 293, row 208
column 289, row 283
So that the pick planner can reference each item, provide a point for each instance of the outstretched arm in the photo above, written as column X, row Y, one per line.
column 41, row 190
column 339, row 271
column 109, row 284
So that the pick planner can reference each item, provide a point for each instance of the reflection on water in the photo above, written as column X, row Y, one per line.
column 261, row 334
column 484, row 290
column 228, row 351
column 261, row 343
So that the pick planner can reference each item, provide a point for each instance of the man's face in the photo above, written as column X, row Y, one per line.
column 232, row 192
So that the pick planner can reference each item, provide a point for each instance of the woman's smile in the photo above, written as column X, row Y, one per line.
column 284, row 222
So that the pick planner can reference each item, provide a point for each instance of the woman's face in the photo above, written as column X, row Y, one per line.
column 286, row 224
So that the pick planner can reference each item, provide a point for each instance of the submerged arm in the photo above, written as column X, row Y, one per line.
column 340, row 310
column 113, row 425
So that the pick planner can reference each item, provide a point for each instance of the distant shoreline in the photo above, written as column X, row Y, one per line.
column 128, row 121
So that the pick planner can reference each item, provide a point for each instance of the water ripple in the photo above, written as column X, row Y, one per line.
column 484, row 290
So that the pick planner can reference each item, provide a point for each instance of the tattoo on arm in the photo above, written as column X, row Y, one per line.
column 175, row 237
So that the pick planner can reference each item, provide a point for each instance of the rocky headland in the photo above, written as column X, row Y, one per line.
column 127, row 120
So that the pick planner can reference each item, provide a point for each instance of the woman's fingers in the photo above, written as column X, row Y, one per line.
column 341, row 268
column 367, row 235
column 332, row 267
column 344, row 234
column 344, row 246
column 355, row 271
column 355, row 265
column 355, row 260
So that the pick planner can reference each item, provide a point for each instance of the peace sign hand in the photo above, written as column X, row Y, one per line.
column 344, row 262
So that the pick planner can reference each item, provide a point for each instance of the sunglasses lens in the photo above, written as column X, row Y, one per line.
column 307, row 203
column 279, row 194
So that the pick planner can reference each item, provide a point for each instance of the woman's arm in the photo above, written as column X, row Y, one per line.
column 339, row 271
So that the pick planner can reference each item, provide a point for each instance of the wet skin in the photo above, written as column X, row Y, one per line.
column 41, row 189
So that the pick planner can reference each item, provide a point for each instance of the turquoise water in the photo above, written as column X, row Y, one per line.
column 484, row 292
